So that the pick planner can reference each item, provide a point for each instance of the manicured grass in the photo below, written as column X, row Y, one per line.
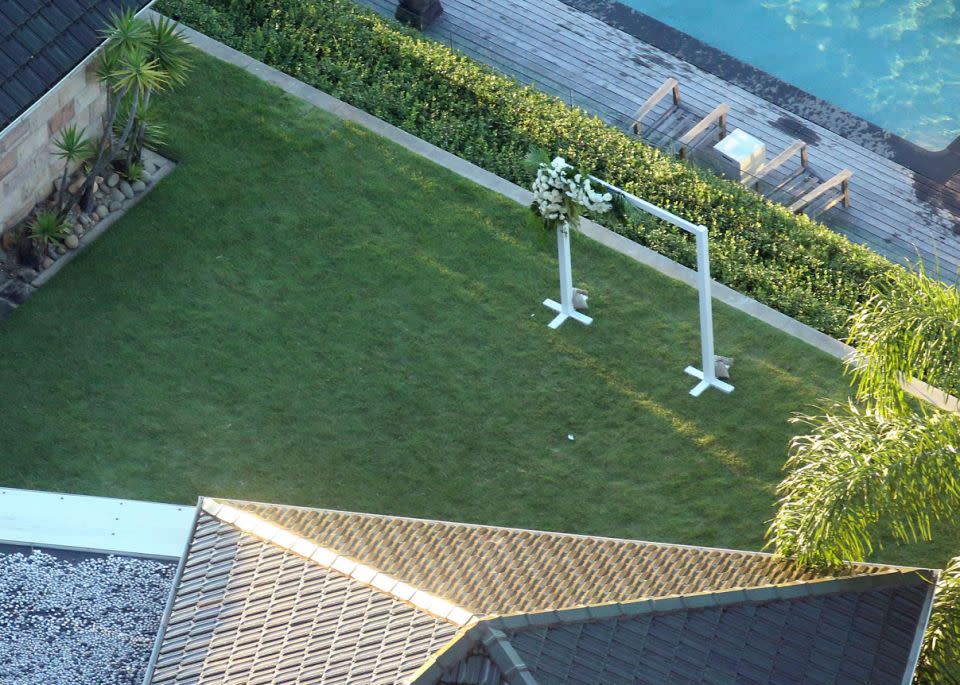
column 305, row 313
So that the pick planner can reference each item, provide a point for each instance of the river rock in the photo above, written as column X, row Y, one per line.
column 102, row 210
column 138, row 186
column 113, row 179
column 116, row 206
column 46, row 263
column 126, row 189
column 72, row 241
column 76, row 185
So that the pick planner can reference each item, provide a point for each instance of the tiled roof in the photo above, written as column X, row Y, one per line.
column 850, row 632
column 42, row 40
column 251, row 612
column 502, row 570
column 276, row 594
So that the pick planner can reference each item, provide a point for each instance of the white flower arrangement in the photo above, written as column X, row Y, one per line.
column 561, row 194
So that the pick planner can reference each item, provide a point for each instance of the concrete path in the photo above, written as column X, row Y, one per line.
column 50, row 519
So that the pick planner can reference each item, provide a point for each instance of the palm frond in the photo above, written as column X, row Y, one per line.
column 940, row 658
column 908, row 328
column 71, row 146
column 125, row 33
column 169, row 49
column 860, row 475
column 138, row 73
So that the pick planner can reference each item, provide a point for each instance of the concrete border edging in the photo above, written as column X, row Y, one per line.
column 482, row 177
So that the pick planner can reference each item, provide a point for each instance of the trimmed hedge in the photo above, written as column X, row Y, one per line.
column 789, row 262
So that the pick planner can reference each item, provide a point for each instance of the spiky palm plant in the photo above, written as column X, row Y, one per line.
column 47, row 228
column 130, row 71
column 72, row 148
column 886, row 465
column 168, row 48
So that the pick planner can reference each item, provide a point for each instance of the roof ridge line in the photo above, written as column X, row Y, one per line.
column 672, row 545
column 324, row 556
column 702, row 600
column 499, row 649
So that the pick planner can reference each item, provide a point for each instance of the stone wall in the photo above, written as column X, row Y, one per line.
column 27, row 163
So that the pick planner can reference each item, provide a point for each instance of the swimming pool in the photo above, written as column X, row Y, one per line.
column 895, row 63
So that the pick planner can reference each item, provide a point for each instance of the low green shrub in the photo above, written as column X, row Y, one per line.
column 759, row 248
column 203, row 17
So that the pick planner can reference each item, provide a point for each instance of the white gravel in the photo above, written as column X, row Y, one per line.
column 84, row 622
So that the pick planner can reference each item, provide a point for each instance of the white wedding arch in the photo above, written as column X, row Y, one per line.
column 565, row 309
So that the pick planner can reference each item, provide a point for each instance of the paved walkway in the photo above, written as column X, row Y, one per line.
column 50, row 519
column 896, row 211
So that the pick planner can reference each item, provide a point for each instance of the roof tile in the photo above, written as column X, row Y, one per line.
column 64, row 32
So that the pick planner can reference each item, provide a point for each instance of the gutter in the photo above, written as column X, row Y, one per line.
column 925, row 615
column 80, row 66
column 168, row 609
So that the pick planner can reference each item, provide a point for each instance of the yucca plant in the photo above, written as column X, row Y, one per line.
column 168, row 48
column 147, row 130
column 885, row 465
column 134, row 172
column 72, row 148
column 47, row 228
column 131, row 68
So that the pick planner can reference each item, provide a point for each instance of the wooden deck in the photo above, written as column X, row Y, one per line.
column 610, row 73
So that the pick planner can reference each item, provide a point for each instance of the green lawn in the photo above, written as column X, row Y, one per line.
column 305, row 313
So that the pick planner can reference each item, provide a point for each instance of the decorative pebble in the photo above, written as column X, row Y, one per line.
column 102, row 210
column 113, row 180
column 138, row 186
column 72, row 241
column 126, row 189
column 46, row 263
column 83, row 622
column 115, row 206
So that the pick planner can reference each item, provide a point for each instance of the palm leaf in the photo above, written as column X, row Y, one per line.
column 859, row 476
column 940, row 659
column 169, row 49
column 71, row 146
column 908, row 328
column 125, row 33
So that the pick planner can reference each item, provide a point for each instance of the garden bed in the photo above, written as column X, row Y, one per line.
column 23, row 270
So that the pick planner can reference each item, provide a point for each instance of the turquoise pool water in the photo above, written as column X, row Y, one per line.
column 893, row 62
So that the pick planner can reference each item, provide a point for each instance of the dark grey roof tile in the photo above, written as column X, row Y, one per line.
column 42, row 40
